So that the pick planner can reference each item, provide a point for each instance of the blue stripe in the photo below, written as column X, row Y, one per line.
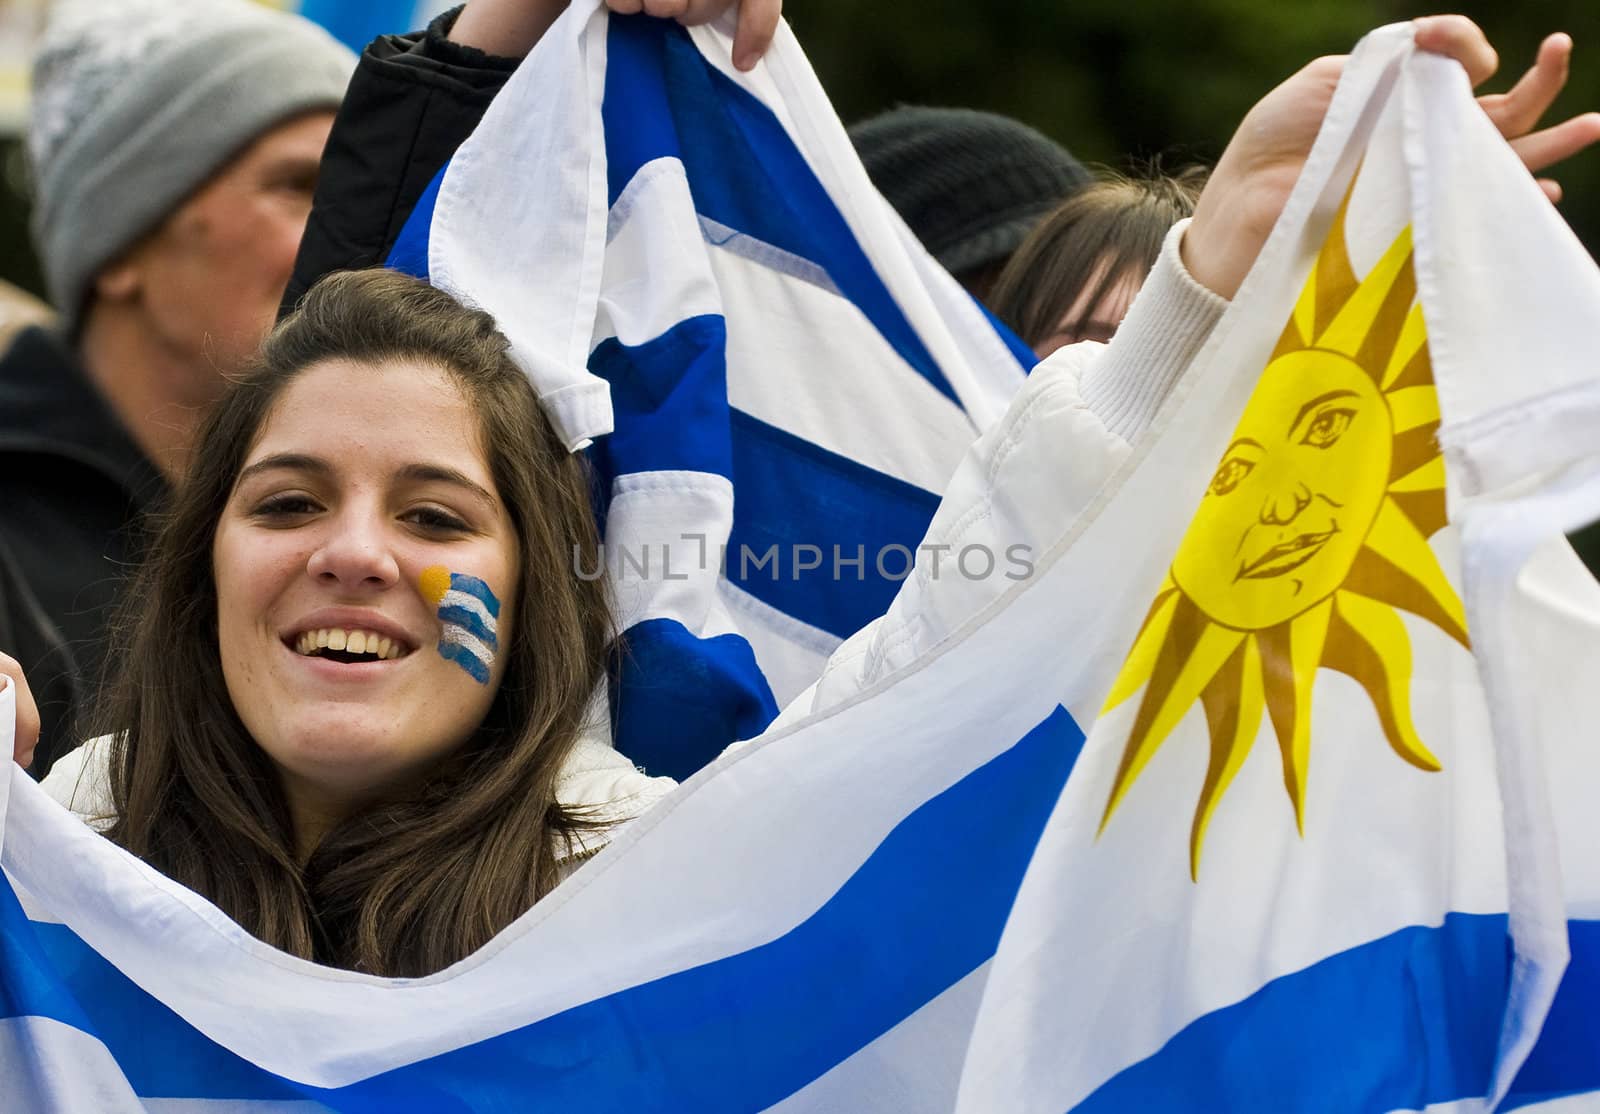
column 410, row 252
column 1018, row 348
column 664, row 100
column 1566, row 1061
column 678, row 701
column 47, row 971
column 925, row 910
column 471, row 622
column 476, row 667
column 670, row 401
column 792, row 493
column 357, row 22
column 472, row 586
column 1396, row 1024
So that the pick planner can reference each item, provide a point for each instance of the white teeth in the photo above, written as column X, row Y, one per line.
column 362, row 642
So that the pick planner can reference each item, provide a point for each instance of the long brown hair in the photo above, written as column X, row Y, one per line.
column 1100, row 235
column 409, row 886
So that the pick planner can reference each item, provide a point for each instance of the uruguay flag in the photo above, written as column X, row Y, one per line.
column 1329, row 847
column 776, row 378
column 357, row 22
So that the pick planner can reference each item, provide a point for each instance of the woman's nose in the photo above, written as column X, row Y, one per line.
column 1284, row 505
column 355, row 555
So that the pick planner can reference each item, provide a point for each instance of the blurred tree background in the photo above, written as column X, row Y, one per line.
column 1112, row 81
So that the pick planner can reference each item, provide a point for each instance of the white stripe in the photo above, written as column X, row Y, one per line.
column 48, row 1066
column 469, row 602
column 914, row 1067
column 453, row 635
column 665, row 532
column 871, row 407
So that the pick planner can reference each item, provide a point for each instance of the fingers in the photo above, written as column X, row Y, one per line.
column 27, row 734
column 758, row 22
column 1552, row 190
column 1456, row 36
column 1518, row 111
column 1550, row 146
column 626, row 7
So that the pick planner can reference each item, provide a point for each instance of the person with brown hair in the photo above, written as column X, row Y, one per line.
column 353, row 705
column 1075, row 275
column 333, row 771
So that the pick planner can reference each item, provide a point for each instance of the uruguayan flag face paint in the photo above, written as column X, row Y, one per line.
column 469, row 614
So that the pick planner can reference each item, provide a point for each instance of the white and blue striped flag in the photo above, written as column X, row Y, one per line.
column 777, row 378
column 1317, row 854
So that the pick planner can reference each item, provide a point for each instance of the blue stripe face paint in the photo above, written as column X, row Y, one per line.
column 469, row 616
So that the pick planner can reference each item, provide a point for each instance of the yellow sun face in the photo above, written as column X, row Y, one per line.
column 1312, row 532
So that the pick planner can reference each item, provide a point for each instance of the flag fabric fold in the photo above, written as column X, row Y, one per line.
column 1269, row 786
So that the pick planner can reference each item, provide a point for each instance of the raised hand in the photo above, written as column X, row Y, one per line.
column 27, row 736
column 510, row 28
column 1253, row 178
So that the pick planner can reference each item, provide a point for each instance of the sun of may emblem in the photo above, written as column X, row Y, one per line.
column 1313, row 531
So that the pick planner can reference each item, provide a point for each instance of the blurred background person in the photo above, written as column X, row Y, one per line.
column 173, row 153
column 970, row 184
column 1075, row 275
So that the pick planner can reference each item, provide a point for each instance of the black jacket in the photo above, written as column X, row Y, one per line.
column 74, row 488
column 413, row 100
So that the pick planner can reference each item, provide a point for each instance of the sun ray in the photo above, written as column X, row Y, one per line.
column 1142, row 658
column 1409, row 365
column 1353, row 326
column 1397, row 567
column 1234, row 703
column 1368, row 643
column 1290, row 654
column 1333, row 281
column 1412, row 449
column 1193, row 652
column 1427, row 510
column 1430, row 477
column 1413, row 406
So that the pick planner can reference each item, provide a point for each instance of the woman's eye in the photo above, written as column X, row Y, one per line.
column 1327, row 427
column 1229, row 473
column 436, row 520
column 282, row 507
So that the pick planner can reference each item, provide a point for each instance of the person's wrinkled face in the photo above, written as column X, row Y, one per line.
column 365, row 568
column 211, row 276
column 1294, row 497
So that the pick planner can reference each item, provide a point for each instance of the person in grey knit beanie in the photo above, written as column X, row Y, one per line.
column 970, row 184
column 174, row 147
column 138, row 102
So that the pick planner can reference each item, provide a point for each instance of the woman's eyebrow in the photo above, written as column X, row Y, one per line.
column 296, row 462
column 438, row 473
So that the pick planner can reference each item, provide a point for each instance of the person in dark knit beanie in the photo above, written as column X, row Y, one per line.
column 970, row 184
column 174, row 147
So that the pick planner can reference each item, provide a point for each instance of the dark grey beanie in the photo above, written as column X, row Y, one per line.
column 137, row 102
column 970, row 184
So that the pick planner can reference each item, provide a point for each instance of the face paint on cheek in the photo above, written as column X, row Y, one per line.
column 469, row 615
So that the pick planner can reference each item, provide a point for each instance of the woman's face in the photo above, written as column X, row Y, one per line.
column 364, row 564
column 1083, row 321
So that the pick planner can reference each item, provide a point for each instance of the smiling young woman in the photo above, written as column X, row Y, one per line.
column 333, row 776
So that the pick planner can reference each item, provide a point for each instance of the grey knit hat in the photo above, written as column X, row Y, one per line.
column 970, row 184
column 137, row 102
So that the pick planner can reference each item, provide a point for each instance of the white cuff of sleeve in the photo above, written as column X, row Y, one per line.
column 1164, row 330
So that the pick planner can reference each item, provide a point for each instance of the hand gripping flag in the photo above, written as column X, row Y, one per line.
column 778, row 380
column 1329, row 846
